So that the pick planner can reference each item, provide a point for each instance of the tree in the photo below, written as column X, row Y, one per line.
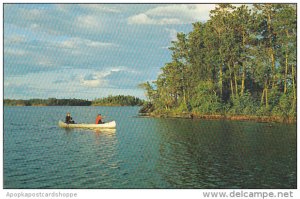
column 243, row 56
column 219, row 23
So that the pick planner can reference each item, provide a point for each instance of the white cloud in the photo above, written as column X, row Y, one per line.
column 140, row 19
column 100, row 8
column 168, row 21
column 14, row 39
column 45, row 62
column 92, row 83
column 93, row 80
column 88, row 21
column 62, row 7
column 101, row 39
column 15, row 52
column 169, row 10
column 187, row 12
column 144, row 19
column 62, row 19
column 76, row 42
column 60, row 80
column 34, row 26
column 96, row 78
column 173, row 14
column 31, row 14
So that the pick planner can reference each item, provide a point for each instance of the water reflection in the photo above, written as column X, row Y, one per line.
column 105, row 136
column 225, row 154
column 98, row 134
column 108, row 132
column 94, row 156
column 144, row 152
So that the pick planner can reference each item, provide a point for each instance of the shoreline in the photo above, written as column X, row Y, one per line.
column 196, row 116
column 262, row 119
column 40, row 105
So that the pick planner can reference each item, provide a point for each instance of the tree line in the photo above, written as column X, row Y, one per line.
column 47, row 102
column 242, row 61
column 119, row 100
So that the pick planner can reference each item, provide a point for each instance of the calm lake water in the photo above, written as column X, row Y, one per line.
column 144, row 152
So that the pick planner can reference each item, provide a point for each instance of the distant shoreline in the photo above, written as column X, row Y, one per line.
column 118, row 100
column 42, row 105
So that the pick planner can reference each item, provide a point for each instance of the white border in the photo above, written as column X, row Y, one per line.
column 133, row 193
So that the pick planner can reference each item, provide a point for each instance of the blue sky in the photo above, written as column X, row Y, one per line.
column 89, row 51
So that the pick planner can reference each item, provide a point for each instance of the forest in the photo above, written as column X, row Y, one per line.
column 239, row 63
column 47, row 102
column 119, row 100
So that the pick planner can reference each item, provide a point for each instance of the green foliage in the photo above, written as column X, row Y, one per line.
column 182, row 108
column 274, row 97
column 119, row 100
column 206, row 100
column 285, row 107
column 147, row 107
column 263, row 111
column 239, row 62
column 47, row 102
column 243, row 105
column 150, row 92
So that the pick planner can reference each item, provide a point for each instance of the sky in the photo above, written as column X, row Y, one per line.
column 89, row 51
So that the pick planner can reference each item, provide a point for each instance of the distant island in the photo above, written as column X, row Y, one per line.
column 119, row 100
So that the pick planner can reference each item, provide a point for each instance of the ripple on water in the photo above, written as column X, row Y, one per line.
column 144, row 152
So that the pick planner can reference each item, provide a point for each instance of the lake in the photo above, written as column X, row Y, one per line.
column 144, row 152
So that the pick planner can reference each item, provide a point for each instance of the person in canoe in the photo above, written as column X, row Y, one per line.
column 69, row 119
column 99, row 119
